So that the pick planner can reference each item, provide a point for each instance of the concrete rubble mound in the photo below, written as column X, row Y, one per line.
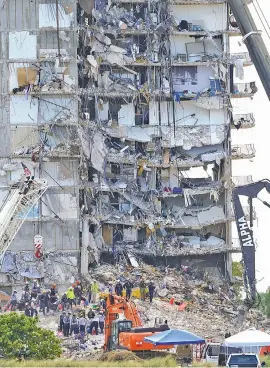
column 198, row 303
column 118, row 356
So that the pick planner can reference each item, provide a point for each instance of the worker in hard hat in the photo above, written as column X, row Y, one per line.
column 94, row 291
column 53, row 290
column 71, row 296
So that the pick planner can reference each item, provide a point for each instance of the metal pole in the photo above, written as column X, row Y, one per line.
column 253, row 40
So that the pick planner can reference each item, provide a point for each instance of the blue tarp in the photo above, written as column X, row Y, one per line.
column 174, row 337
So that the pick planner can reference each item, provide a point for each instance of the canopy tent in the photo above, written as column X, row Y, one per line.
column 174, row 337
column 250, row 340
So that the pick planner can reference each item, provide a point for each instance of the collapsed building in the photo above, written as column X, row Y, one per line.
column 126, row 109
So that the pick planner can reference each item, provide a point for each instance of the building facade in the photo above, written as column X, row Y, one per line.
column 126, row 109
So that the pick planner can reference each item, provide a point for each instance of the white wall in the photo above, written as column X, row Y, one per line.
column 23, row 110
column 22, row 45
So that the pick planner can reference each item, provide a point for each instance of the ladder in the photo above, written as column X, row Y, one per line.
column 15, row 209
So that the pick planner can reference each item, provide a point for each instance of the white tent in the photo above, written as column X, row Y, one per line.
column 250, row 340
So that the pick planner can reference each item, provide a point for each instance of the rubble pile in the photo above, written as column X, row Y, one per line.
column 187, row 300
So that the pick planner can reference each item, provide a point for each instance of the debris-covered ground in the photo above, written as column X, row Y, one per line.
column 205, row 307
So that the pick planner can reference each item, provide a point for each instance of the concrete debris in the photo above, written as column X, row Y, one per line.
column 212, row 308
column 55, row 268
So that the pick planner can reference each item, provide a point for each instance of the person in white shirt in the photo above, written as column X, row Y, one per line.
column 82, row 323
column 101, row 322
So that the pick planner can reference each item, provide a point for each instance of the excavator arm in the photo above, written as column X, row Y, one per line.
column 245, row 232
column 118, row 305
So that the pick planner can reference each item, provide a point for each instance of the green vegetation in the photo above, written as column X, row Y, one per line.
column 156, row 362
column 237, row 269
column 265, row 302
column 20, row 334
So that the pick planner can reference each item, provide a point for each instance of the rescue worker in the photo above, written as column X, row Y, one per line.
column 13, row 300
column 70, row 297
column 128, row 287
column 151, row 288
column 94, row 291
column 89, row 293
column 64, row 301
column 26, row 287
column 61, row 321
column 118, row 288
column 94, row 325
column 33, row 308
column 101, row 322
column 82, row 324
column 142, row 289
column 53, row 290
column 27, row 311
column 77, row 293
column 66, row 325
column 35, row 290
column 74, row 325
column 90, row 314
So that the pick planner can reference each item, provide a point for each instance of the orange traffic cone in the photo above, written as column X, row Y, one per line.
column 172, row 301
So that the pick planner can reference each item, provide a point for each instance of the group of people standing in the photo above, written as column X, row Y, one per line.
column 128, row 286
column 34, row 299
column 73, row 324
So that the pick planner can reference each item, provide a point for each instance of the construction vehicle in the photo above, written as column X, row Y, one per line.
column 245, row 232
column 128, row 333
column 21, row 198
column 253, row 39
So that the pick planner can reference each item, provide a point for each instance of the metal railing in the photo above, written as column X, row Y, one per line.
column 243, row 89
column 241, row 55
column 243, row 120
column 243, row 151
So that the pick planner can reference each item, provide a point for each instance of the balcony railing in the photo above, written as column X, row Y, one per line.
column 242, row 180
column 242, row 55
column 243, row 121
column 244, row 89
column 243, row 151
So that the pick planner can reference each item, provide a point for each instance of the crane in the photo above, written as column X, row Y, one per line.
column 245, row 232
column 21, row 198
column 129, row 333
column 253, row 40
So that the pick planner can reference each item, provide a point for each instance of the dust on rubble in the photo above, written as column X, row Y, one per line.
column 210, row 308
column 209, row 311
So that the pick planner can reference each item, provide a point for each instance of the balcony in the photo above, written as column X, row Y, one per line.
column 242, row 180
column 243, row 121
column 242, row 55
column 242, row 151
column 244, row 90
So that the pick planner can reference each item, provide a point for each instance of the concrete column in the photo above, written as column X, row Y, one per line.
column 84, row 249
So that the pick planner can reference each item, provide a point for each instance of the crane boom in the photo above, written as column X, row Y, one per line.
column 253, row 40
column 15, row 209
